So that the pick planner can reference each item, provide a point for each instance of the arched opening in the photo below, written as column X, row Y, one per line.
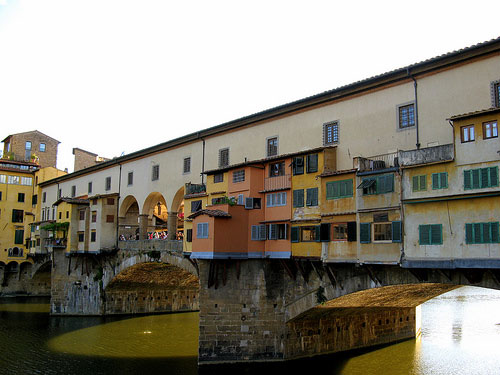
column 178, row 210
column 41, row 279
column 129, row 219
column 156, row 216
column 152, row 287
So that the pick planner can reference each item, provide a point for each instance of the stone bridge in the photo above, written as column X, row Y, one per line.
column 81, row 281
column 264, row 310
column 26, row 278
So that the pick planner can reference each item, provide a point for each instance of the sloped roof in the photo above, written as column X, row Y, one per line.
column 211, row 213
column 32, row 131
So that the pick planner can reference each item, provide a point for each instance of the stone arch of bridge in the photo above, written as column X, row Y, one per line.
column 41, row 268
column 176, row 213
column 385, row 284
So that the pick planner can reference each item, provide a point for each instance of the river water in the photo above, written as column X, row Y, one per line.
column 460, row 335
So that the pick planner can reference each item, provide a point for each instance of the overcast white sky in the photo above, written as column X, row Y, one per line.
column 117, row 76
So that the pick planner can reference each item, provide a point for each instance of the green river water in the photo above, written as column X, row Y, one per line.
column 460, row 335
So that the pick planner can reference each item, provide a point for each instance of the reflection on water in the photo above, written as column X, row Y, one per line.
column 460, row 335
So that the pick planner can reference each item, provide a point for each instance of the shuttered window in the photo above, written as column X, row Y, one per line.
column 223, row 157
column 377, row 185
column 397, row 235
column 440, row 180
column 295, row 234
column 312, row 163
column 312, row 197
column 19, row 237
column 202, row 230
column 298, row 198
column 339, row 189
column 298, row 165
column 430, row 234
column 478, row 233
column 480, row 178
column 419, row 183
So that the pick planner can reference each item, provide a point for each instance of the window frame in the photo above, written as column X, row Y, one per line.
column 437, row 180
column 238, row 176
column 419, row 183
column 223, row 157
column 427, row 234
column 334, row 187
column 312, row 198
column 494, row 129
column 42, row 147
column 474, row 238
column 298, row 198
column 107, row 183
column 186, row 165
column 278, row 199
column 130, row 178
column 203, row 233
column 465, row 132
column 314, row 230
column 476, row 175
column 406, row 120
column 331, row 133
column 155, row 172
column 218, row 177
column 272, row 144
column 276, row 169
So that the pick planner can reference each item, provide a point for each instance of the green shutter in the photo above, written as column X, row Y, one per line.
column 443, row 180
column 486, row 235
column 485, row 174
column 298, row 198
column 423, row 182
column 396, row 231
column 493, row 176
column 349, row 188
column 317, row 229
column 476, row 184
column 298, row 165
column 494, row 233
column 477, row 232
column 19, row 237
column 436, row 234
column 294, row 234
column 424, row 236
column 312, row 163
column 468, row 180
column 469, row 238
column 415, row 183
column 435, row 180
column 365, row 232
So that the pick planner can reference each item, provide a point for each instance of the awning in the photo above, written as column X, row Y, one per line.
column 366, row 183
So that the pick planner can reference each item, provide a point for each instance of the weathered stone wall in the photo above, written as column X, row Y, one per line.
column 23, row 282
column 342, row 329
column 150, row 301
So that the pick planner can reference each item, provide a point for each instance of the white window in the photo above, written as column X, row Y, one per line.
column 27, row 181
column 276, row 199
column 239, row 176
column 202, row 230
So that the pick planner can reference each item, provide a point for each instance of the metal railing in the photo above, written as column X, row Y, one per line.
column 194, row 188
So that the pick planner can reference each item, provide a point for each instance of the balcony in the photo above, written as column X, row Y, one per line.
column 55, row 243
column 277, row 183
column 426, row 155
column 377, row 162
column 194, row 188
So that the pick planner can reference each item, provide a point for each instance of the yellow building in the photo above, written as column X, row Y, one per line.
column 451, row 200
column 16, row 192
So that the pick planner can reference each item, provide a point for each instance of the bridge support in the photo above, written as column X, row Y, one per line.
column 172, row 225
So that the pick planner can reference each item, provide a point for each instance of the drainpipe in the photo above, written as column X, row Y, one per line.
column 118, row 206
column 416, row 105
column 202, row 157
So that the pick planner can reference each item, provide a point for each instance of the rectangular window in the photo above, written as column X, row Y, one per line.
column 82, row 214
column 73, row 191
column 42, row 147
column 186, row 166
column 490, row 130
column 310, row 233
column 312, row 197
column 272, row 146
column 276, row 199
column 34, row 199
column 195, row 206
column 382, row 232
column 19, row 236
column 298, row 165
column 495, row 91
column 480, row 178
column 250, row 203
column 44, row 197
column 330, row 133
column 17, row 216
column 223, row 157
column 312, row 163
column 340, row 232
column 295, row 234
column 107, row 184
column 277, row 169
column 189, row 235
column 430, row 234
column 277, row 231
column 93, row 236
column 28, row 145
column 20, row 197
column 258, row 232
column 202, row 230
column 81, row 236
column 130, row 178
column 467, row 133
column 90, row 187
column 239, row 176
column 419, row 183
column 478, row 233
column 26, row 181
column 94, row 216
column 155, row 173
column 339, row 189
column 406, row 116
column 377, row 185
column 440, row 180
column 298, row 198
column 219, row 177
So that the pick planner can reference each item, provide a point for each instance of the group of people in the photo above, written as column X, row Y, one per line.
column 157, row 235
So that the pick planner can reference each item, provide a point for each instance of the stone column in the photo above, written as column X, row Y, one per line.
column 143, row 227
column 172, row 225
